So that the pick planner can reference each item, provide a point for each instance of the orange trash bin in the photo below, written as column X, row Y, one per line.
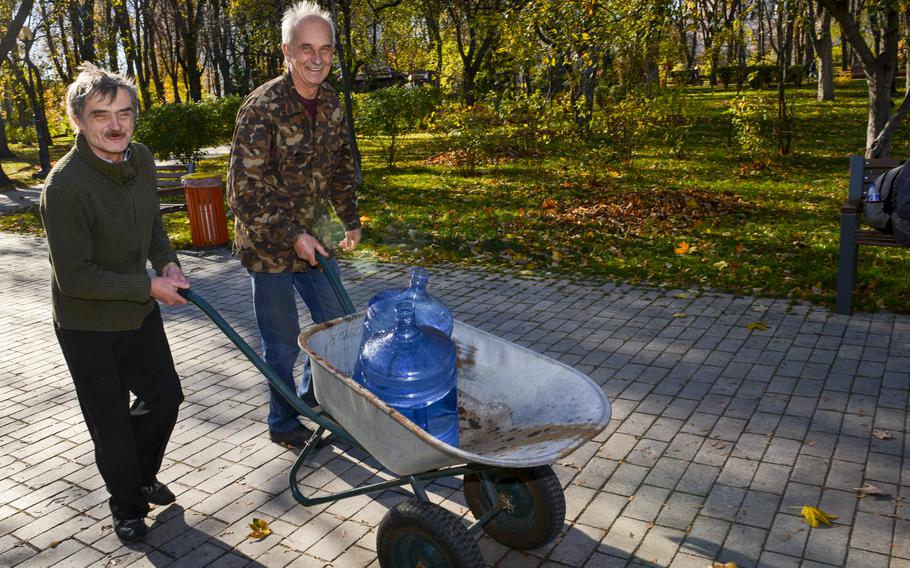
column 205, row 209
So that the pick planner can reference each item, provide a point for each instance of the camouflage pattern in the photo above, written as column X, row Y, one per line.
column 285, row 172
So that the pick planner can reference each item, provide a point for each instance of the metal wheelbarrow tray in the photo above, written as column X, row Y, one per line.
column 519, row 411
column 516, row 408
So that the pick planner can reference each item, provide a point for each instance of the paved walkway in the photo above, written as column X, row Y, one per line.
column 720, row 433
column 18, row 199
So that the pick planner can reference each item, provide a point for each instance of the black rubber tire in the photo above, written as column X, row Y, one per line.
column 417, row 533
column 538, row 505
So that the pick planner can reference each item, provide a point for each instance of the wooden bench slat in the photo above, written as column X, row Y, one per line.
column 169, row 182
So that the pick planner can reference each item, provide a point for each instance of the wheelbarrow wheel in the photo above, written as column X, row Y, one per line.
column 534, row 505
column 417, row 533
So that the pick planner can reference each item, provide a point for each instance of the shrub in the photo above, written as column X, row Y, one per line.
column 390, row 111
column 796, row 74
column 753, row 128
column 728, row 74
column 762, row 76
column 468, row 129
column 181, row 130
column 843, row 78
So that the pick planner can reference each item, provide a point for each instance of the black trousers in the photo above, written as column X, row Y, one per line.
column 106, row 367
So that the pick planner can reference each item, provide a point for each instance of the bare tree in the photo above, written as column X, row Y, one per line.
column 880, row 66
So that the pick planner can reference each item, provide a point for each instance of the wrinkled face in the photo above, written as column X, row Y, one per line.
column 108, row 124
column 309, row 55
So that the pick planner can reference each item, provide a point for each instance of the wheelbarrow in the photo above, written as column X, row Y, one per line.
column 519, row 412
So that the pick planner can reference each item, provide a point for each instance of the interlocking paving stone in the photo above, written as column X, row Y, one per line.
column 720, row 434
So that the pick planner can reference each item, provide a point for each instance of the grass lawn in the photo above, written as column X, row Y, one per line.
column 707, row 220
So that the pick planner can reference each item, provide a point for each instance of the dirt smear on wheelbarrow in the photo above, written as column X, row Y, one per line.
column 486, row 429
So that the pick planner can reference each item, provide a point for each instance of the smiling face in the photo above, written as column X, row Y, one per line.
column 108, row 124
column 309, row 55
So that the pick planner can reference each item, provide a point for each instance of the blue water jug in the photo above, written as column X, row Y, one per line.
column 428, row 310
column 412, row 368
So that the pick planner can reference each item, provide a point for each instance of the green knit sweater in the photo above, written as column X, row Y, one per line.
column 103, row 225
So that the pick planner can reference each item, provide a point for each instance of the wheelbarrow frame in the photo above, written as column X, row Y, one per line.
column 532, row 493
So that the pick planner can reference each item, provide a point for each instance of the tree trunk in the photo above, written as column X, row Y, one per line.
column 880, row 69
column 819, row 27
column 348, row 84
column 5, row 152
column 5, row 180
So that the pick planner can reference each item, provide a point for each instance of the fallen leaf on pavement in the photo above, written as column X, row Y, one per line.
column 759, row 325
column 814, row 516
column 260, row 529
column 882, row 435
column 868, row 489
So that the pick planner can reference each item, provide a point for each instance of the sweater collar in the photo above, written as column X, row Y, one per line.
column 123, row 173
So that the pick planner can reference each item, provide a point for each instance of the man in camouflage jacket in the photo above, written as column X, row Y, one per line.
column 290, row 160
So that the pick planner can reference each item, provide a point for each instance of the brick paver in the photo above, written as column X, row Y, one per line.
column 720, row 434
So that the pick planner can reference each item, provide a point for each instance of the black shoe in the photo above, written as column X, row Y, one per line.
column 130, row 530
column 296, row 438
column 158, row 494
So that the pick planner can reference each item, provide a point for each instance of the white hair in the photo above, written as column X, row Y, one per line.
column 301, row 11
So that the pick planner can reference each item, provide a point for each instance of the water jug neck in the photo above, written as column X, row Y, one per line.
column 406, row 329
column 419, row 278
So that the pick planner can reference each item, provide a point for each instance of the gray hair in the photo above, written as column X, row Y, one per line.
column 301, row 11
column 96, row 82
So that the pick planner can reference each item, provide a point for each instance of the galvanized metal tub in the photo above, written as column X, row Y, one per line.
column 517, row 408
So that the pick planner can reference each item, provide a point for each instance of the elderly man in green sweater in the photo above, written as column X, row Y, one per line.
column 100, row 212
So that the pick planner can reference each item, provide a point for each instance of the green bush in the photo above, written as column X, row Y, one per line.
column 181, row 130
column 728, row 74
column 391, row 111
column 21, row 135
column 468, row 130
column 796, row 75
column 753, row 127
column 762, row 76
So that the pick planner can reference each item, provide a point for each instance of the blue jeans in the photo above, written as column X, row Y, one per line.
column 279, row 328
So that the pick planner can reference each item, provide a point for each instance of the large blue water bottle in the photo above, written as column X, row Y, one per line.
column 412, row 368
column 428, row 310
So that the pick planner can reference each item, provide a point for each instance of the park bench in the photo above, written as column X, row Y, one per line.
column 863, row 172
column 169, row 183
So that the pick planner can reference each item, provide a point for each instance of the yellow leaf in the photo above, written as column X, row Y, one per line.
column 814, row 516
column 723, row 565
column 682, row 248
column 260, row 529
column 720, row 264
column 759, row 325
column 681, row 315
column 364, row 218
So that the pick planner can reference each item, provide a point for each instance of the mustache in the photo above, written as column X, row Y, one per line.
column 115, row 133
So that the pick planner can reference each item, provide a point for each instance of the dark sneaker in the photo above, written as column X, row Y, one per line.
column 158, row 494
column 130, row 530
column 296, row 438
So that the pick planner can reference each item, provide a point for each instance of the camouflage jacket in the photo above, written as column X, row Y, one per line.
column 284, row 173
